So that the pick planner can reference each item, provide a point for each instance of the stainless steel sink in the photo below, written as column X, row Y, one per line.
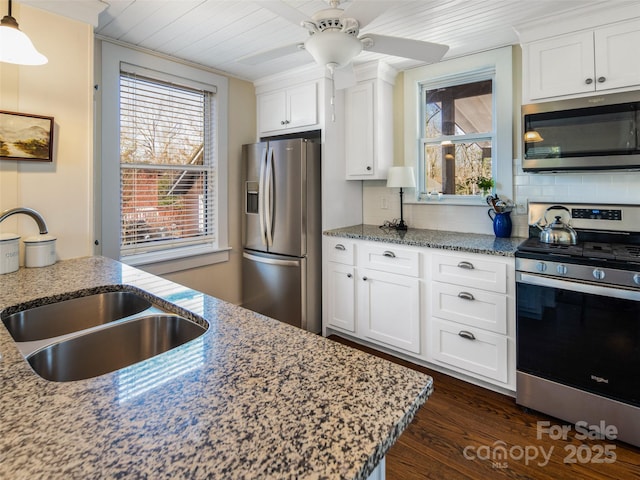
column 112, row 348
column 68, row 316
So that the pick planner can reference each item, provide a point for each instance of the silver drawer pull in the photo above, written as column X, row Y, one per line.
column 466, row 265
column 466, row 296
column 339, row 246
column 467, row 335
column 389, row 253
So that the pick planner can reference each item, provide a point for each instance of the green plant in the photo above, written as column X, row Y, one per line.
column 485, row 184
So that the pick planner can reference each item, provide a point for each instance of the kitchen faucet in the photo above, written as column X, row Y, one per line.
column 27, row 211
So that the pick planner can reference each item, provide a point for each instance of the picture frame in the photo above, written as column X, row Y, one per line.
column 24, row 136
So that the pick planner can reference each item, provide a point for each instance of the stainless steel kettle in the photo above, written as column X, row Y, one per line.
column 557, row 232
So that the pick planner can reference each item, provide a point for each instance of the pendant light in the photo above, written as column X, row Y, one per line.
column 15, row 46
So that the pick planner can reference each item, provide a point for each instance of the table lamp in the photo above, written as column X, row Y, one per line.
column 401, row 177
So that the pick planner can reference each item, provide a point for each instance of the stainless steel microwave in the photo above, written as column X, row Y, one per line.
column 593, row 133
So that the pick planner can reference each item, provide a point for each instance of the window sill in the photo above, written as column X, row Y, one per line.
column 466, row 200
column 160, row 263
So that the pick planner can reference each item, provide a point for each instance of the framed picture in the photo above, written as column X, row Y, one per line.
column 26, row 137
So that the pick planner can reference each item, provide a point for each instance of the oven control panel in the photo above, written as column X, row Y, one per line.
column 596, row 213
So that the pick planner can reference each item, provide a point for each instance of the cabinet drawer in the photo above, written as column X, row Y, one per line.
column 389, row 258
column 340, row 251
column 470, row 306
column 470, row 271
column 471, row 349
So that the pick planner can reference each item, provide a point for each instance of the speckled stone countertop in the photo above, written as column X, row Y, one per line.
column 252, row 398
column 466, row 242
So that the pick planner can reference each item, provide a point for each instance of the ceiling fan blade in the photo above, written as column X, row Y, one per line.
column 284, row 10
column 366, row 11
column 344, row 77
column 268, row 55
column 404, row 47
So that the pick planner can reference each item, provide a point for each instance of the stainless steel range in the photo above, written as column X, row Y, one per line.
column 578, row 315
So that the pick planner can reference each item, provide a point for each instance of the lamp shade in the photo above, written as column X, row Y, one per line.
column 401, row 177
column 15, row 46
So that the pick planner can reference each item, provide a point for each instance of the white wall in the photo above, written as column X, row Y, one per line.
column 592, row 187
column 63, row 88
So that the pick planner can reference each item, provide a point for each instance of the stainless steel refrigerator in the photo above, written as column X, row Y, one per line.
column 281, row 258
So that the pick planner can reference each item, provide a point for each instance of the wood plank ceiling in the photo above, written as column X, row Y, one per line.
column 217, row 33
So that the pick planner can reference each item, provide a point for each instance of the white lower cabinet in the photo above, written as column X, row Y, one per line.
column 389, row 309
column 449, row 310
column 341, row 296
column 471, row 324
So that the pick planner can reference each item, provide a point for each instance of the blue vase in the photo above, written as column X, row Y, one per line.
column 501, row 223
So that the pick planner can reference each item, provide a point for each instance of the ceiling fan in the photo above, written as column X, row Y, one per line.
column 333, row 36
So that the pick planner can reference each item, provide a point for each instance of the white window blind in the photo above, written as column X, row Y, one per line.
column 167, row 165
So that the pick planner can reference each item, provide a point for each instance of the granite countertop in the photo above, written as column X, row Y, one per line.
column 466, row 242
column 252, row 398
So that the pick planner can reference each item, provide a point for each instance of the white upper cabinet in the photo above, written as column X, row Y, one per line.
column 291, row 109
column 582, row 63
column 369, row 123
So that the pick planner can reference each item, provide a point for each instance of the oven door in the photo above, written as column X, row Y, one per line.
column 578, row 334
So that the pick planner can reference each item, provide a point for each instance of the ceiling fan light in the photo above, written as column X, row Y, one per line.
column 15, row 46
column 333, row 47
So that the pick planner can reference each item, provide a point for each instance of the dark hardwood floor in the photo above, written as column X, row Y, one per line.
column 462, row 426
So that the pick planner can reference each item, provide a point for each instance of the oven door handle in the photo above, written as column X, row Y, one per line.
column 577, row 286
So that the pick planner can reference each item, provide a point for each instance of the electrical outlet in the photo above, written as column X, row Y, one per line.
column 521, row 208
column 384, row 203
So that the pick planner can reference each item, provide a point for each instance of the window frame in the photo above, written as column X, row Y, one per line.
column 497, row 63
column 108, row 161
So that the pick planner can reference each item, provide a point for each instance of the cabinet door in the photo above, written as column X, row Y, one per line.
column 302, row 106
column 272, row 114
column 359, row 125
column 341, row 298
column 561, row 66
column 617, row 60
column 389, row 309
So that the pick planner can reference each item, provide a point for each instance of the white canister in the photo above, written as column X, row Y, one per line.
column 9, row 252
column 40, row 250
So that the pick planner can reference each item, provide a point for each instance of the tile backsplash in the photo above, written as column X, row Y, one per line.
column 381, row 203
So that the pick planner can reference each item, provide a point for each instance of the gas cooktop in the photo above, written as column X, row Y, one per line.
column 590, row 250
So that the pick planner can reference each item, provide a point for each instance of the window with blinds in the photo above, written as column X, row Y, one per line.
column 167, row 165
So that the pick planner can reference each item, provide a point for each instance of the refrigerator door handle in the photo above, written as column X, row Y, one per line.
column 261, row 192
column 268, row 217
column 271, row 261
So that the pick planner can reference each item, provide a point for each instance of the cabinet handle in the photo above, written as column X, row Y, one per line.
column 467, row 335
column 389, row 253
column 602, row 79
column 369, row 168
column 466, row 296
column 349, row 275
column 466, row 265
column 339, row 246
column 589, row 81
column 365, row 278
column 283, row 122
